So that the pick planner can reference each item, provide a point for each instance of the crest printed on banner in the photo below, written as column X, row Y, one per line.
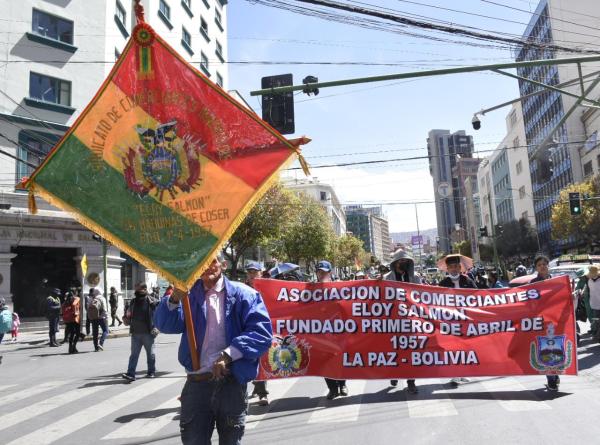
column 551, row 353
column 287, row 357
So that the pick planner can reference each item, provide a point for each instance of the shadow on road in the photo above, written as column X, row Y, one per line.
column 59, row 353
column 152, row 414
column 116, row 379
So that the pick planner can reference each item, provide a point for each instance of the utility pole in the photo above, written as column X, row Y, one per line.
column 493, row 232
column 419, row 238
column 105, row 267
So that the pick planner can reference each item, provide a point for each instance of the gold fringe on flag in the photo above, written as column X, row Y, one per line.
column 31, row 204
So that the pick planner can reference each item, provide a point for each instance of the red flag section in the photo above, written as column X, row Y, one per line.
column 374, row 329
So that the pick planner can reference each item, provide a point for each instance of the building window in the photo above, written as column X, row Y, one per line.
column 219, row 51
column 522, row 192
column 121, row 13
column 204, row 29
column 165, row 9
column 117, row 54
column 519, row 167
column 513, row 118
column 187, row 3
column 218, row 20
column 588, row 169
column 33, row 148
column 220, row 80
column 49, row 89
column 52, row 27
column 204, row 63
column 516, row 142
column 186, row 37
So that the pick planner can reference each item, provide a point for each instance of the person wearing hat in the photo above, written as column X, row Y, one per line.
column 254, row 270
column 53, row 315
column 456, row 279
column 336, row 387
column 402, row 268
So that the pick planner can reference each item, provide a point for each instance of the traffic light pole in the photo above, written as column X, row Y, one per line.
column 493, row 234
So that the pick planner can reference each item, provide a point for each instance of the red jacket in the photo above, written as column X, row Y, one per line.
column 70, row 312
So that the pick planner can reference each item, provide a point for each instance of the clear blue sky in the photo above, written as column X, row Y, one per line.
column 378, row 116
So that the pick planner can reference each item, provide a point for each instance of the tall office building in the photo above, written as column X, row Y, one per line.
column 445, row 149
column 55, row 56
column 576, row 24
column 370, row 225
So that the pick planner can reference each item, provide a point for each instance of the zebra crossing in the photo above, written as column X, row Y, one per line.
column 65, row 411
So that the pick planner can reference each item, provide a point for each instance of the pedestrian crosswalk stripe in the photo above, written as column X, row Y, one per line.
column 341, row 412
column 81, row 419
column 3, row 387
column 277, row 390
column 511, row 384
column 44, row 405
column 28, row 392
column 419, row 405
column 146, row 427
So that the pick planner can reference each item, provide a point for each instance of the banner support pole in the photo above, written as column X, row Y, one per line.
column 191, row 333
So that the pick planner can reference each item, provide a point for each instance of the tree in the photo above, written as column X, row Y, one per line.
column 464, row 248
column 347, row 251
column 584, row 227
column 266, row 221
column 308, row 233
column 430, row 261
column 518, row 238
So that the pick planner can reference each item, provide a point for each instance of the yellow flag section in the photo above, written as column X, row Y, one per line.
column 116, row 130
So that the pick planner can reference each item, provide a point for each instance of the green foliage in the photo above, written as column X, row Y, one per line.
column 347, row 250
column 266, row 221
column 430, row 261
column 464, row 248
column 517, row 238
column 584, row 227
column 307, row 233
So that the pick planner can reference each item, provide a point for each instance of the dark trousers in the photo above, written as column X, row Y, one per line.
column 137, row 342
column 88, row 322
column 204, row 405
column 53, row 325
column 260, row 388
column 72, row 334
column 100, row 323
column 395, row 382
column 552, row 379
column 114, row 316
column 335, row 385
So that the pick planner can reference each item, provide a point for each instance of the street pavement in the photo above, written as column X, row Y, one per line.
column 48, row 396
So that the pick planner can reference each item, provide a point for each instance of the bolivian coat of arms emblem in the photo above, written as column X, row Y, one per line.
column 162, row 162
column 287, row 357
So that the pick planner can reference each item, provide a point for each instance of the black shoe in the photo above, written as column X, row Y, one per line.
column 128, row 377
column 263, row 401
column 411, row 387
column 552, row 386
column 120, row 323
column 343, row 390
column 454, row 383
column 53, row 345
column 150, row 375
column 332, row 394
column 394, row 383
column 100, row 347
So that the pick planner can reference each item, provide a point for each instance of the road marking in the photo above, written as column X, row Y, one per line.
column 428, row 407
column 45, row 405
column 28, row 392
column 512, row 384
column 325, row 413
column 145, row 427
column 85, row 417
column 3, row 387
column 277, row 390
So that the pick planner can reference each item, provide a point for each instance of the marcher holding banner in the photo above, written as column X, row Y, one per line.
column 541, row 266
column 233, row 329
column 403, row 269
column 336, row 387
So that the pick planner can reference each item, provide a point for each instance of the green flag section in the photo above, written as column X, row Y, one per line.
column 162, row 163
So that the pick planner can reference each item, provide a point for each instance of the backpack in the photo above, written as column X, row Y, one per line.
column 5, row 321
column 68, row 313
column 94, row 309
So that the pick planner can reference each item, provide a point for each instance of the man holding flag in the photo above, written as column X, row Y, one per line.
column 233, row 330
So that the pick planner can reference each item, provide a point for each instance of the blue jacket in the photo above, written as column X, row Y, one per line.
column 247, row 326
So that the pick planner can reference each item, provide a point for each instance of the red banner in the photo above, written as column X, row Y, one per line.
column 374, row 329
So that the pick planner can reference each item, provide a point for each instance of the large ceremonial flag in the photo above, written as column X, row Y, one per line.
column 162, row 163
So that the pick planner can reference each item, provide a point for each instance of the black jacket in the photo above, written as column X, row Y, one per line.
column 464, row 282
column 147, row 318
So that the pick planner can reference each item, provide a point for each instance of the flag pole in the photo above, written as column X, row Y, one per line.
column 191, row 333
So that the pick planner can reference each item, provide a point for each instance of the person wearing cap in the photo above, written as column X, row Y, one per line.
column 456, row 279
column 233, row 330
column 254, row 270
column 53, row 315
column 336, row 387
column 402, row 268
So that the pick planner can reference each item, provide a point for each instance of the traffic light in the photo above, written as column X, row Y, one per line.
column 483, row 232
column 310, row 90
column 545, row 165
column 278, row 109
column 575, row 203
column 499, row 229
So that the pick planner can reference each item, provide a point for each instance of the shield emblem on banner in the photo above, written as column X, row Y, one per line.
column 551, row 350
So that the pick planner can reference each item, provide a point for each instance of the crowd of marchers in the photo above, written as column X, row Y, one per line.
column 232, row 330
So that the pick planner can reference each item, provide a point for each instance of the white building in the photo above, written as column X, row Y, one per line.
column 486, row 194
column 590, row 151
column 56, row 55
column 325, row 195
